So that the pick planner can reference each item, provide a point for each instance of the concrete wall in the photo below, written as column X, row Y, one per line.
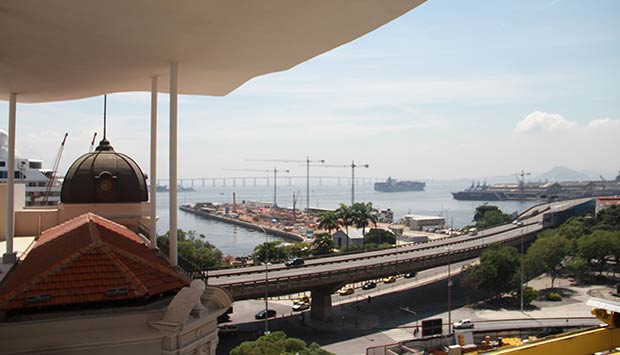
column 20, row 202
column 118, row 331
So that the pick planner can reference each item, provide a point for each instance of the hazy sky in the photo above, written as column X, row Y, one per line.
column 452, row 89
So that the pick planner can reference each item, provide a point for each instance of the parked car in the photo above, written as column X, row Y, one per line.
column 294, row 262
column 463, row 324
column 369, row 285
column 268, row 313
column 389, row 279
column 302, row 299
column 410, row 275
column 228, row 329
column 346, row 291
column 300, row 307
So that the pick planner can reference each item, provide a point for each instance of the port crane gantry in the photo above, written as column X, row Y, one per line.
column 275, row 177
column 52, row 178
column 352, row 166
column 307, row 161
column 521, row 179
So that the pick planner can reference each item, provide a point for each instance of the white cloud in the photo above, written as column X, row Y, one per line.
column 544, row 121
column 552, row 122
column 604, row 123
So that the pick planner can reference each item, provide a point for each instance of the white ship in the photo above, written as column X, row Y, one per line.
column 30, row 172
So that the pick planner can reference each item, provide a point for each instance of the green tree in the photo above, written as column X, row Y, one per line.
column 297, row 250
column 577, row 267
column 379, row 236
column 496, row 272
column 277, row 343
column 574, row 228
column 196, row 250
column 363, row 215
column 546, row 255
column 322, row 244
column 487, row 216
column 270, row 251
column 345, row 215
column 609, row 218
column 594, row 248
column 328, row 221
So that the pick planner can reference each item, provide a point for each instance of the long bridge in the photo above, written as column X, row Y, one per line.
column 324, row 276
column 204, row 182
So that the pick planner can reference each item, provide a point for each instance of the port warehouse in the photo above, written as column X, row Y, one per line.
column 423, row 223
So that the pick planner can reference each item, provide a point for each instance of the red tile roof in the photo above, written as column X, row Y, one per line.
column 84, row 260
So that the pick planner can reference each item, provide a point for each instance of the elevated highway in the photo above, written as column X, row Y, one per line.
column 324, row 276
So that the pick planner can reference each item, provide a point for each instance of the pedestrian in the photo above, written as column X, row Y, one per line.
column 369, row 298
column 415, row 332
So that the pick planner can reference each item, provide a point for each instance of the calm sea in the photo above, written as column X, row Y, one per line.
column 436, row 200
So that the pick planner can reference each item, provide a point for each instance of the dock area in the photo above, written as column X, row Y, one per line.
column 296, row 226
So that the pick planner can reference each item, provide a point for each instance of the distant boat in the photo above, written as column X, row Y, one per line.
column 161, row 188
column 185, row 189
column 392, row 185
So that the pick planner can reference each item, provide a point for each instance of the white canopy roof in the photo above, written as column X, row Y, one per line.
column 54, row 50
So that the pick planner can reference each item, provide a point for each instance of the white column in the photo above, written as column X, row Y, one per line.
column 9, row 256
column 153, row 173
column 173, row 163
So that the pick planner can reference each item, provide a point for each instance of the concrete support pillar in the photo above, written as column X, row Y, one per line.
column 173, row 162
column 9, row 256
column 321, row 302
column 153, row 172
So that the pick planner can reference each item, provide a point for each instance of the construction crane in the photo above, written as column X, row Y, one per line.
column 52, row 178
column 307, row 161
column 275, row 176
column 521, row 179
column 92, row 143
column 352, row 166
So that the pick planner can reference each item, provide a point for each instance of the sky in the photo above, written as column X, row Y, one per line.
column 452, row 89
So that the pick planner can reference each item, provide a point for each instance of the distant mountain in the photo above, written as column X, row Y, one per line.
column 561, row 173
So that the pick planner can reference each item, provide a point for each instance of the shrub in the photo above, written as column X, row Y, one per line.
column 529, row 294
column 553, row 296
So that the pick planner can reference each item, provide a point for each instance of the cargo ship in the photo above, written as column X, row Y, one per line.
column 392, row 185
column 529, row 191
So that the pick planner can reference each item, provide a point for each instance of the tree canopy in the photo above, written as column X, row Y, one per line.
column 197, row 249
column 328, row 221
column 487, row 216
column 322, row 244
column 379, row 236
column 546, row 255
column 496, row 271
column 277, row 343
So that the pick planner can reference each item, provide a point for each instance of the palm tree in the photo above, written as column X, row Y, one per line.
column 345, row 213
column 328, row 220
column 363, row 215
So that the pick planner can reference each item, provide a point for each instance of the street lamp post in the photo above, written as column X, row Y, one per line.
column 520, row 223
column 449, row 292
column 266, row 280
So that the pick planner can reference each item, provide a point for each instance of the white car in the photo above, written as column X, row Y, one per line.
column 300, row 307
column 463, row 324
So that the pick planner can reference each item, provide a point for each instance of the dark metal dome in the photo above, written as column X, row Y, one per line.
column 104, row 176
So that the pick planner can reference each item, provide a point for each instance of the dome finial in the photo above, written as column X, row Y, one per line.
column 104, row 144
